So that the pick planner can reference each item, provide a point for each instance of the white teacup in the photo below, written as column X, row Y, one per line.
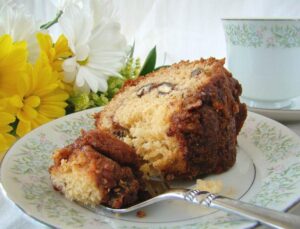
column 264, row 55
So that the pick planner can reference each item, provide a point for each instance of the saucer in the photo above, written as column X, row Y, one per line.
column 286, row 114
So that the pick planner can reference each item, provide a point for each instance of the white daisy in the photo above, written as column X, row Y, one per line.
column 99, row 48
column 20, row 26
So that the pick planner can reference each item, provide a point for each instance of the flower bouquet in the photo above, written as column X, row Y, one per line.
column 42, row 79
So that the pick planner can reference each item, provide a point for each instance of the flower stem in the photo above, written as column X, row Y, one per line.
column 54, row 21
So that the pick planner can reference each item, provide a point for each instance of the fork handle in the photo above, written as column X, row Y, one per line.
column 265, row 216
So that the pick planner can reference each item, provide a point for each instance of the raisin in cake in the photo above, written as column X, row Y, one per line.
column 182, row 120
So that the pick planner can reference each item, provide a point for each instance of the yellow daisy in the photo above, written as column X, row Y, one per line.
column 6, row 139
column 40, row 98
column 56, row 52
column 13, row 64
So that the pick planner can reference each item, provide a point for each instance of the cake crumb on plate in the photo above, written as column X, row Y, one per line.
column 141, row 214
column 213, row 186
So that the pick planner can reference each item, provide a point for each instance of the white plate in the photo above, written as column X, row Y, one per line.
column 267, row 173
column 286, row 114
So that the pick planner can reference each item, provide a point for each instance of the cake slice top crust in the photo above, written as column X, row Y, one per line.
column 110, row 146
column 168, row 86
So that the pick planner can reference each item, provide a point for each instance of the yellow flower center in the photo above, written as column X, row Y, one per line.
column 83, row 62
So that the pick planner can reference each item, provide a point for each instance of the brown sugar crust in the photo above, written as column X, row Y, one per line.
column 207, row 131
column 110, row 146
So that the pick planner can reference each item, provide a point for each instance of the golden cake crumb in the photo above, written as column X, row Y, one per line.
column 213, row 186
column 140, row 214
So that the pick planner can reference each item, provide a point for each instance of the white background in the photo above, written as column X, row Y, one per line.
column 181, row 29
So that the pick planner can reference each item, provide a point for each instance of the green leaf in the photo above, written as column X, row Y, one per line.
column 149, row 64
column 54, row 21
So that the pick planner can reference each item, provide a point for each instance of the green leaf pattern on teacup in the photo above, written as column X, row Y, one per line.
column 286, row 36
column 250, row 35
column 245, row 35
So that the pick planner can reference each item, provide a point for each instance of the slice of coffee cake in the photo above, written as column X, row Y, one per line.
column 178, row 122
column 182, row 120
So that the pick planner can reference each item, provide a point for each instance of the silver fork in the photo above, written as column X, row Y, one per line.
column 161, row 192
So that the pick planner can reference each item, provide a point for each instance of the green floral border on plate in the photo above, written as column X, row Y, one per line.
column 27, row 168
